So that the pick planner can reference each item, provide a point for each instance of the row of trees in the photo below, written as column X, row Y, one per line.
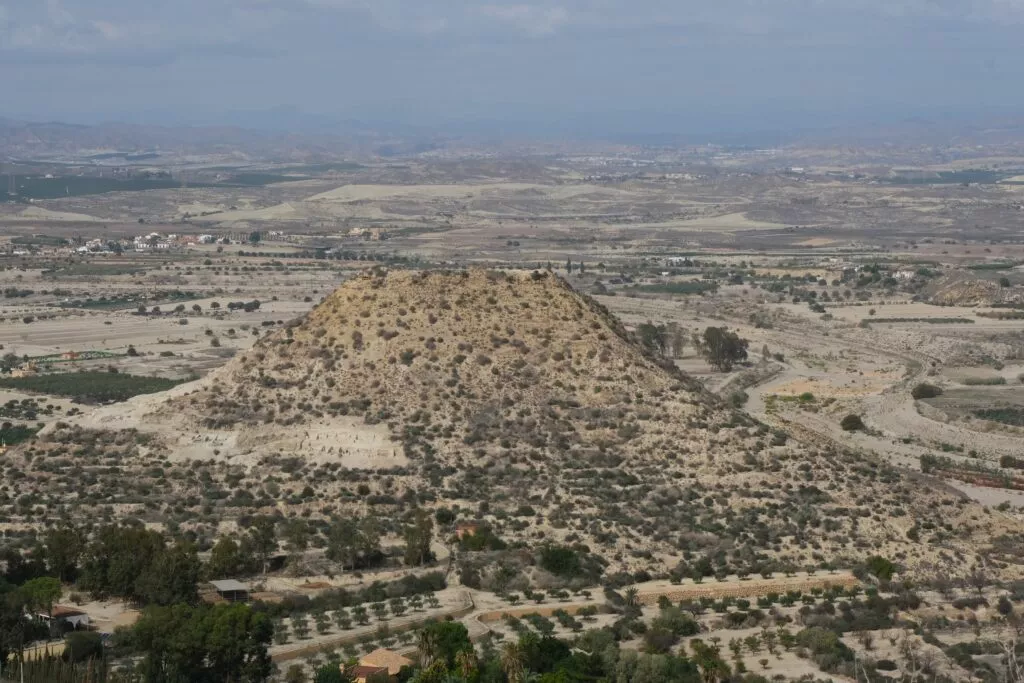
column 720, row 347
column 128, row 561
column 446, row 655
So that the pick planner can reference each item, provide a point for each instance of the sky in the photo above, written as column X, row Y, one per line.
column 558, row 65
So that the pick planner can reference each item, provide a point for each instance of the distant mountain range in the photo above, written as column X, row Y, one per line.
column 286, row 134
column 55, row 140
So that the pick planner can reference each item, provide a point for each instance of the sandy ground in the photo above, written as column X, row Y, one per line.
column 731, row 222
column 355, row 193
column 38, row 213
column 867, row 371
column 358, row 445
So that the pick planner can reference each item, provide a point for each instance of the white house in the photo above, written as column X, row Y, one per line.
column 75, row 618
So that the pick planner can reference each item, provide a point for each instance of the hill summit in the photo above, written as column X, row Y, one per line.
column 516, row 361
column 513, row 396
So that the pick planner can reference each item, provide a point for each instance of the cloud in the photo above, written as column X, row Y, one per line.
column 493, row 58
column 94, row 26
column 530, row 19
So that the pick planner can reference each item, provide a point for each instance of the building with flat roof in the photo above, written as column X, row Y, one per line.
column 231, row 590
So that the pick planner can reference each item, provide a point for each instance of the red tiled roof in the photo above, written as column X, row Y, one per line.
column 364, row 672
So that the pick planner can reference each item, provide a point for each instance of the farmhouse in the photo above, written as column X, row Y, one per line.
column 383, row 660
column 231, row 590
column 69, row 616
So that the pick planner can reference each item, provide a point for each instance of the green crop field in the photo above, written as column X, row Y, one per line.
column 676, row 288
column 90, row 387
column 949, row 177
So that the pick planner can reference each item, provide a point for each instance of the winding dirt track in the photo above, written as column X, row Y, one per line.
column 893, row 412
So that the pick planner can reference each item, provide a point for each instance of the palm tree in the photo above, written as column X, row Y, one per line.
column 466, row 663
column 632, row 602
column 513, row 662
column 427, row 647
column 712, row 667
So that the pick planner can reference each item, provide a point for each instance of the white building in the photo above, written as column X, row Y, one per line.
column 75, row 618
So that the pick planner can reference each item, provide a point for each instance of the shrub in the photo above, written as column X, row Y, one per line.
column 82, row 645
column 925, row 390
column 738, row 399
column 560, row 560
column 880, row 567
column 1010, row 462
column 972, row 602
column 852, row 423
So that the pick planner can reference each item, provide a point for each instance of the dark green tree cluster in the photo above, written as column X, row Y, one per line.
column 136, row 564
column 419, row 532
column 447, row 656
column 204, row 644
column 355, row 543
column 229, row 557
column 852, row 423
column 925, row 390
column 721, row 348
column 668, row 340
column 483, row 538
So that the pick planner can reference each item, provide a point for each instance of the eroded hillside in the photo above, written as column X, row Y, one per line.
column 521, row 403
column 514, row 394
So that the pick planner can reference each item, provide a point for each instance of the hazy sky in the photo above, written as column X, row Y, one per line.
column 620, row 65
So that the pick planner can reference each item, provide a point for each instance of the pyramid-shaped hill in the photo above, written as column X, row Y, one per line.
column 449, row 360
column 515, row 396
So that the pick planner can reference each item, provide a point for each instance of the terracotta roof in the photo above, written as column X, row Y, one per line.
column 385, row 658
column 361, row 673
column 60, row 611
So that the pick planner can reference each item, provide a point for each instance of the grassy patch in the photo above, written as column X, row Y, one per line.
column 39, row 240
column 1003, row 315
column 677, row 288
column 1007, row 416
column 90, row 387
column 930, row 321
column 949, row 177
column 983, row 381
column 992, row 266
column 92, row 270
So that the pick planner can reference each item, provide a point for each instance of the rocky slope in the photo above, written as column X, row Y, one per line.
column 519, row 400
